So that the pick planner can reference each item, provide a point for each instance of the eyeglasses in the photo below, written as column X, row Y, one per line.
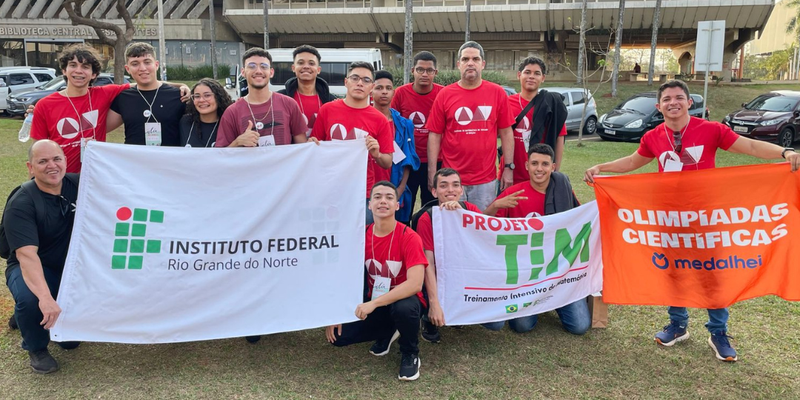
column 254, row 66
column 65, row 204
column 355, row 78
column 204, row 96
column 428, row 71
column 676, row 136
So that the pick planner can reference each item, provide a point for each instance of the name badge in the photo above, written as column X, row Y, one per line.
column 152, row 133
column 398, row 154
column 381, row 287
column 265, row 141
column 526, row 139
column 83, row 146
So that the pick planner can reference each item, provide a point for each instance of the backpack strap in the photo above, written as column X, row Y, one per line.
column 426, row 208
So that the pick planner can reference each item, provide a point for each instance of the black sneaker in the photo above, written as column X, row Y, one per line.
column 12, row 323
column 409, row 367
column 430, row 333
column 42, row 362
column 382, row 346
column 253, row 339
column 68, row 345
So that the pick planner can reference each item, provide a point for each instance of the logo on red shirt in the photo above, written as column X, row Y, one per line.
column 465, row 116
column 69, row 128
column 339, row 132
column 418, row 119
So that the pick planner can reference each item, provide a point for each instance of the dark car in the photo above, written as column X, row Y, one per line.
column 18, row 102
column 632, row 118
column 772, row 117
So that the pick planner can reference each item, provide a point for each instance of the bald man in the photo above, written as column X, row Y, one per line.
column 38, row 223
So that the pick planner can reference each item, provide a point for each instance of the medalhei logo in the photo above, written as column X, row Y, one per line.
column 130, row 244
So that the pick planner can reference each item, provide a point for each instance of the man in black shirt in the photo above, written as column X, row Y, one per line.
column 39, row 248
column 151, row 110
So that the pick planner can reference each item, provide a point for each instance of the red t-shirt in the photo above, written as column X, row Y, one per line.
column 280, row 118
column 469, row 121
column 57, row 120
column 309, row 106
column 416, row 107
column 532, row 207
column 338, row 121
column 425, row 227
column 403, row 246
column 700, row 142
column 522, row 137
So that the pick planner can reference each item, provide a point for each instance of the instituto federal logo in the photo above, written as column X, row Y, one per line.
column 417, row 118
column 130, row 244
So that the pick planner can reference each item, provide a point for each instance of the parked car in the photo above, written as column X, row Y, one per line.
column 18, row 102
column 17, row 79
column 632, row 118
column 509, row 90
column 574, row 99
column 772, row 117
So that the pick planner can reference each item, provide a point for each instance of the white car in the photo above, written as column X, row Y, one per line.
column 16, row 79
column 574, row 99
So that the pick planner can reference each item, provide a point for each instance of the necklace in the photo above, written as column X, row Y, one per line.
column 149, row 112
column 91, row 108
column 391, row 241
column 213, row 130
column 680, row 138
column 299, row 100
column 257, row 122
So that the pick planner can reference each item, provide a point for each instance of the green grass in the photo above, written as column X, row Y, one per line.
column 620, row 362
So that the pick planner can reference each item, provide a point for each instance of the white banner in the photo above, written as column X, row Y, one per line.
column 493, row 269
column 175, row 244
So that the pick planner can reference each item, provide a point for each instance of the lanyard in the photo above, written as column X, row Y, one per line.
column 389, row 253
column 80, row 124
column 149, row 112
column 214, row 129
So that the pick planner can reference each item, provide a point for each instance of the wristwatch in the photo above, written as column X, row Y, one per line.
column 783, row 153
column 511, row 166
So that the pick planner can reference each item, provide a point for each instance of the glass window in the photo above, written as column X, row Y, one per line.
column 577, row 98
column 642, row 105
column 772, row 103
column 283, row 71
column 43, row 77
column 20, row 79
column 334, row 73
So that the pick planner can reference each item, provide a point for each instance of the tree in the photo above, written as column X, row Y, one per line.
column 213, row 24
column 120, row 38
column 408, row 41
column 653, row 40
column 467, row 16
column 582, row 45
column 266, row 25
column 618, row 48
column 793, row 26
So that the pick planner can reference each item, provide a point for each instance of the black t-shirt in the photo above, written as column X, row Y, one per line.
column 167, row 109
column 53, row 236
column 201, row 134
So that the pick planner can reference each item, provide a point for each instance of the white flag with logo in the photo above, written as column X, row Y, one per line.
column 176, row 244
column 493, row 269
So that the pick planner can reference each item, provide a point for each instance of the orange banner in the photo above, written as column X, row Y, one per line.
column 705, row 239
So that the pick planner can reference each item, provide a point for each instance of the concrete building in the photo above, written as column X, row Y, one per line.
column 509, row 30
column 774, row 36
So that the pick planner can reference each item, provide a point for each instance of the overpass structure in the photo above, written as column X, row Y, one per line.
column 509, row 30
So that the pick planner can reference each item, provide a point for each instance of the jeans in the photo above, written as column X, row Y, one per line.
column 402, row 315
column 418, row 181
column 717, row 318
column 26, row 308
column 481, row 195
column 575, row 318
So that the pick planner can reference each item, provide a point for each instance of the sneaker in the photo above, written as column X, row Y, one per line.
column 430, row 333
column 42, row 362
column 68, row 345
column 409, row 367
column 12, row 323
column 672, row 333
column 722, row 346
column 252, row 339
column 382, row 346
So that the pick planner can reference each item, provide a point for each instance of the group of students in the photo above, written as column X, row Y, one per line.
column 422, row 138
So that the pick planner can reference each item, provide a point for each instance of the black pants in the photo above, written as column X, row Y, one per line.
column 418, row 180
column 403, row 316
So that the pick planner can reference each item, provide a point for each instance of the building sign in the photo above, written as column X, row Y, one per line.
column 68, row 31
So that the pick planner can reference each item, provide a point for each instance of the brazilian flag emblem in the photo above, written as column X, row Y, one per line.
column 525, row 305
column 511, row 308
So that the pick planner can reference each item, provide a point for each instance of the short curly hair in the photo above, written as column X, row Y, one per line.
column 85, row 54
